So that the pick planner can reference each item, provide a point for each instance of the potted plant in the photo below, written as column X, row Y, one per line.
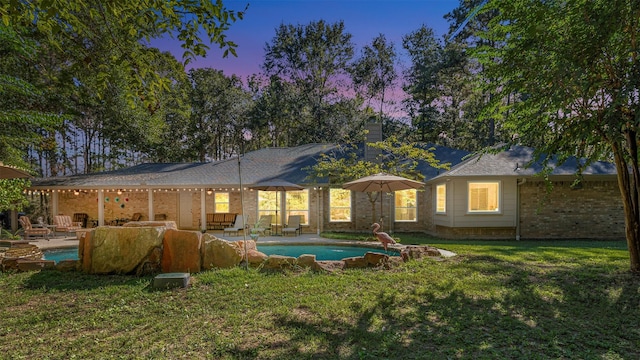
column 254, row 232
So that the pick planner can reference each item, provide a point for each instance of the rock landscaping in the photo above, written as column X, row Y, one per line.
column 158, row 247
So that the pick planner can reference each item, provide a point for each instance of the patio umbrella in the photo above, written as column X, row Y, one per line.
column 276, row 185
column 382, row 182
column 9, row 172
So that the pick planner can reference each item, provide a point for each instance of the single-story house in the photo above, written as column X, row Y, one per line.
column 482, row 196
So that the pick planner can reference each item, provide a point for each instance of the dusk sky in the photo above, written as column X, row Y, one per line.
column 364, row 19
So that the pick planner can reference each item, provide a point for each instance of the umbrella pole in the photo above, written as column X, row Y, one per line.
column 244, row 233
column 381, row 213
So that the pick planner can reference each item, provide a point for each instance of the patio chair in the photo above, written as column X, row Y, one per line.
column 63, row 223
column 264, row 224
column 31, row 232
column 237, row 226
column 136, row 217
column 293, row 225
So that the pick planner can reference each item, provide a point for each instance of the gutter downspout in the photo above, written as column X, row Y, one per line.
column 518, row 183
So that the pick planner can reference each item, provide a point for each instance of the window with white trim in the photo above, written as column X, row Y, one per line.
column 484, row 197
column 221, row 202
column 339, row 205
column 406, row 204
column 441, row 199
column 268, row 205
column 297, row 203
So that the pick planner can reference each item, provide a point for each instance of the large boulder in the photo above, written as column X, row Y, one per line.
column 219, row 253
column 411, row 252
column 279, row 262
column 181, row 251
column 307, row 260
column 122, row 250
column 328, row 266
column 256, row 258
column 375, row 259
column 249, row 245
column 357, row 262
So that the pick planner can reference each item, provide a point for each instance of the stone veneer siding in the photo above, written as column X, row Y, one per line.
column 594, row 211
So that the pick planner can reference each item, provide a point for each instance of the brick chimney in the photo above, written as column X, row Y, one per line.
column 374, row 134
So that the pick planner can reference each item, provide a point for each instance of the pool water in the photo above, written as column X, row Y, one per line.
column 322, row 252
column 61, row 254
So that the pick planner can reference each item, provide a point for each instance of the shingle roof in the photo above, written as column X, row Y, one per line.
column 256, row 166
column 512, row 162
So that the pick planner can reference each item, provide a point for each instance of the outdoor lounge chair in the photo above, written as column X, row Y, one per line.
column 63, row 223
column 31, row 232
column 293, row 225
column 263, row 225
column 237, row 226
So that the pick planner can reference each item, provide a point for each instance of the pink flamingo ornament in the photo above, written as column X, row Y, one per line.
column 383, row 237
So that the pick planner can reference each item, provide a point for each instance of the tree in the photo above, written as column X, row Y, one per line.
column 22, row 119
column 574, row 70
column 314, row 59
column 422, row 83
column 275, row 118
column 458, row 76
column 374, row 72
column 218, row 105
column 121, row 26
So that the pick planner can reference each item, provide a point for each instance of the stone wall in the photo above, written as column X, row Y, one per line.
column 593, row 211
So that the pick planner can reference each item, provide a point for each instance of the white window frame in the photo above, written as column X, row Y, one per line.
column 444, row 201
column 350, row 207
column 498, row 210
column 222, row 203
column 303, row 212
column 415, row 207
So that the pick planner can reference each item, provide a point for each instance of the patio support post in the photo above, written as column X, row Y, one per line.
column 203, row 210
column 101, row 207
column 150, row 197
column 54, row 203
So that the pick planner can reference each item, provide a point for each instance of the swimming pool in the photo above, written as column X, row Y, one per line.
column 323, row 252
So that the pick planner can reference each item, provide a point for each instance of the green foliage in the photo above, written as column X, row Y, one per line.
column 566, row 78
column 90, row 61
column 314, row 59
column 12, row 194
column 219, row 105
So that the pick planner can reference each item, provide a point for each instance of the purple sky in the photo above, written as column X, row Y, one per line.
column 364, row 19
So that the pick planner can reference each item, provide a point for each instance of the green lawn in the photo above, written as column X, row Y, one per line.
column 495, row 300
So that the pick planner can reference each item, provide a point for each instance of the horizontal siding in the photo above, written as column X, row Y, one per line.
column 506, row 218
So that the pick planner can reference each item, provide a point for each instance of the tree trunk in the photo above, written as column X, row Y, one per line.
column 629, row 192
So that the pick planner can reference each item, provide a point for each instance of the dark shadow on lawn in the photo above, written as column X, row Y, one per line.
column 537, row 313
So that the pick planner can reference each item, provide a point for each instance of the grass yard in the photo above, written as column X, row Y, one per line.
column 495, row 300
